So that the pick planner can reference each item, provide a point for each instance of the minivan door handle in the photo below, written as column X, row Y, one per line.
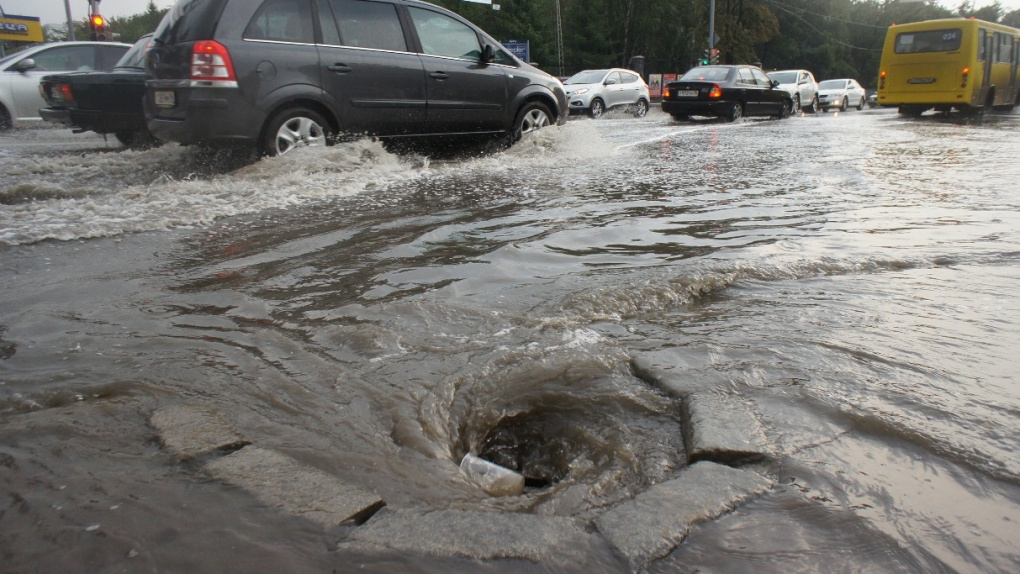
column 339, row 68
column 439, row 75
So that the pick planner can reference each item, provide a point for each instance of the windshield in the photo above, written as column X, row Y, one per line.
column 832, row 85
column 784, row 76
column 706, row 73
column 587, row 77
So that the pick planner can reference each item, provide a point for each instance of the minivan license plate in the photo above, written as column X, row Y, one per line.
column 164, row 99
column 687, row 94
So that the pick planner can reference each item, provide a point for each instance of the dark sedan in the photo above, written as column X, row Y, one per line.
column 728, row 92
column 103, row 102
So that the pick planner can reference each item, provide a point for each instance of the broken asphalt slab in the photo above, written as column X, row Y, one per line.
column 721, row 429
column 476, row 534
column 280, row 481
column 191, row 431
column 656, row 521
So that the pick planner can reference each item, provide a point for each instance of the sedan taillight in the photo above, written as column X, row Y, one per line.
column 716, row 91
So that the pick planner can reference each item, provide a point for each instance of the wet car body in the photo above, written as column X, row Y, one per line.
column 841, row 94
column 282, row 73
column 802, row 87
column 728, row 92
column 593, row 92
column 21, row 72
column 102, row 102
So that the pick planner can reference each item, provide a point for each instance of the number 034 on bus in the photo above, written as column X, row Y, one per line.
column 963, row 64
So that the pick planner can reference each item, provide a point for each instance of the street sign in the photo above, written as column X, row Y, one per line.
column 20, row 28
column 519, row 48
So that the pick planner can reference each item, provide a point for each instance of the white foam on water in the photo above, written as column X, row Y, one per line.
column 58, row 208
column 79, row 196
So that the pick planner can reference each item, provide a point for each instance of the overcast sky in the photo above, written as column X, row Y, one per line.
column 53, row 11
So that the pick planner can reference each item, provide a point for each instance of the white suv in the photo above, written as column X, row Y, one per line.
column 802, row 87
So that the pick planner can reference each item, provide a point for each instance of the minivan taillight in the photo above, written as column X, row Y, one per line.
column 210, row 62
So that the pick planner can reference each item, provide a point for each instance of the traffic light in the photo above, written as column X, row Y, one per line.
column 705, row 57
column 714, row 56
column 98, row 25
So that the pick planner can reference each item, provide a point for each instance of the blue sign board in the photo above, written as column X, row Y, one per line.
column 521, row 49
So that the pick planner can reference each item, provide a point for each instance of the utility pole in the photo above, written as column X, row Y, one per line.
column 711, row 24
column 559, row 37
column 70, row 22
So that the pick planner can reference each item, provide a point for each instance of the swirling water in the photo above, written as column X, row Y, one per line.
column 377, row 315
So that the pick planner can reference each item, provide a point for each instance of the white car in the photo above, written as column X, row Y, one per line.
column 841, row 94
column 595, row 91
column 20, row 73
column 802, row 87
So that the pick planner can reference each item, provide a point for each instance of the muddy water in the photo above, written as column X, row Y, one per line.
column 378, row 315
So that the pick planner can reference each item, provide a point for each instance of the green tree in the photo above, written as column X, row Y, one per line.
column 132, row 28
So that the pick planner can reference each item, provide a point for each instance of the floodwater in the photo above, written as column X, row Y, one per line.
column 852, row 277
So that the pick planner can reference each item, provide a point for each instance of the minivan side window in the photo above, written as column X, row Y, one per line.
column 373, row 25
column 283, row 21
column 441, row 35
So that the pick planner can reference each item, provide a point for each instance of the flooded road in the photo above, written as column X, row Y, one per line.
column 847, row 277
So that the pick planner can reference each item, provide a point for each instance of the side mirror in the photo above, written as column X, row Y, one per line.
column 775, row 83
column 25, row 65
column 488, row 54
column 610, row 82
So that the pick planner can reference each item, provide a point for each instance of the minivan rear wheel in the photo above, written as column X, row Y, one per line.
column 532, row 116
column 293, row 128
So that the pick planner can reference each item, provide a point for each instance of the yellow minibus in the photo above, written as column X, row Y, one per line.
column 956, row 63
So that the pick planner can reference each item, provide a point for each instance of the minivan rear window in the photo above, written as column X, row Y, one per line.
column 189, row 21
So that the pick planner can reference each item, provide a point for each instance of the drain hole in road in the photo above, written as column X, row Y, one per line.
column 536, row 444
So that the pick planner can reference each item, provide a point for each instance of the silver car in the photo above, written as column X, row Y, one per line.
column 595, row 91
column 802, row 87
column 20, row 73
column 841, row 94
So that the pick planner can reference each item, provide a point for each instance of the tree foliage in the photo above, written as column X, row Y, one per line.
column 832, row 38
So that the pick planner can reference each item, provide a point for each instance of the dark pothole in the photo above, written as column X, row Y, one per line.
column 538, row 445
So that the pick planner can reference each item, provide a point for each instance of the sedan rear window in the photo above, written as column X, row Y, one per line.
column 706, row 74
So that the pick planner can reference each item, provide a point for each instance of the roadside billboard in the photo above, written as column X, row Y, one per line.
column 655, row 85
column 519, row 48
column 20, row 28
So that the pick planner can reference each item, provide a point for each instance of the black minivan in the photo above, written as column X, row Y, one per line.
column 284, row 73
